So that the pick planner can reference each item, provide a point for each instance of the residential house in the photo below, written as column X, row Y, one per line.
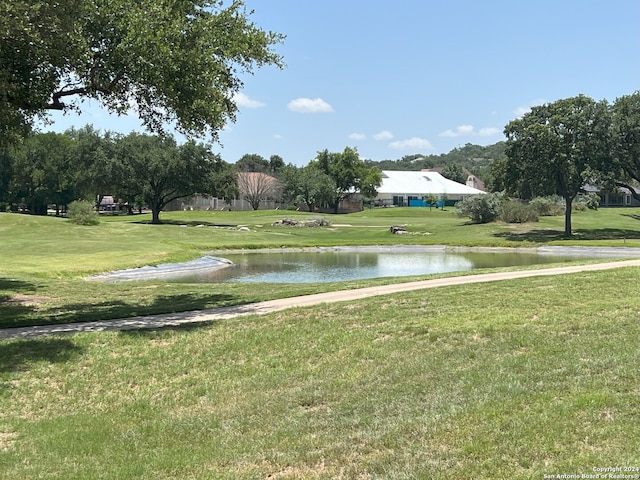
column 619, row 198
column 475, row 182
column 408, row 188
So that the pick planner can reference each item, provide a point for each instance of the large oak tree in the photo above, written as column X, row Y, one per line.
column 625, row 142
column 156, row 170
column 173, row 62
column 556, row 148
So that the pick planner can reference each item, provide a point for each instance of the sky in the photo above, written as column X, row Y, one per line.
column 404, row 77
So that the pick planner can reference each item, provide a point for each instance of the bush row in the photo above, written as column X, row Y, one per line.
column 494, row 206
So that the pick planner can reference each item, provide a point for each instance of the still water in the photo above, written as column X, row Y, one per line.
column 334, row 266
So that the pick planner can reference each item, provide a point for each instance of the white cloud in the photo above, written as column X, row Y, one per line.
column 413, row 143
column 383, row 135
column 462, row 130
column 277, row 136
column 309, row 105
column 470, row 131
column 357, row 136
column 489, row 131
column 243, row 100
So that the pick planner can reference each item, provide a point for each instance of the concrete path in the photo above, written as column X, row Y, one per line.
column 261, row 308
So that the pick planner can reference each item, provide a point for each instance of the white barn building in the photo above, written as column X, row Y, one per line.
column 408, row 188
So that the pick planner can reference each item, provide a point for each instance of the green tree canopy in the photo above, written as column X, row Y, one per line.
column 496, row 176
column 173, row 62
column 625, row 142
column 315, row 187
column 252, row 162
column 93, row 155
column 159, row 171
column 349, row 173
column 276, row 164
column 556, row 148
column 454, row 172
column 43, row 172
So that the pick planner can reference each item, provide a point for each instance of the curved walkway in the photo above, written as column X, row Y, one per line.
column 261, row 308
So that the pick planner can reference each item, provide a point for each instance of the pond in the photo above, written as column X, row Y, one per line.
column 343, row 264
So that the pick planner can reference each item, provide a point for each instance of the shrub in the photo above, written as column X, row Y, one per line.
column 589, row 201
column 480, row 208
column 82, row 213
column 548, row 206
column 513, row 211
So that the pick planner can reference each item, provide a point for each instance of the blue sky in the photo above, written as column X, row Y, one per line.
column 416, row 76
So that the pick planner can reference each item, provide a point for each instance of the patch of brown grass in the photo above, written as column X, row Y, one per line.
column 28, row 300
column 7, row 440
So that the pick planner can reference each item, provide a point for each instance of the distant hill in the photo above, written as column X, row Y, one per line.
column 474, row 158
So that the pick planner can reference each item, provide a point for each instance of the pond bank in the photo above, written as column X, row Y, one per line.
column 262, row 308
column 215, row 261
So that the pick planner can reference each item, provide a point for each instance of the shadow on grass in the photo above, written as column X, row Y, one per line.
column 14, row 299
column 17, row 356
column 635, row 217
column 183, row 223
column 16, row 285
column 87, row 312
column 156, row 331
column 544, row 236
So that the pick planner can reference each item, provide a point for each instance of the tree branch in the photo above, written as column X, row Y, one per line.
column 56, row 104
column 634, row 193
column 92, row 88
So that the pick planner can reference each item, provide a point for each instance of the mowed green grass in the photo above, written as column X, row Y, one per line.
column 50, row 247
column 500, row 380
column 511, row 379
column 45, row 260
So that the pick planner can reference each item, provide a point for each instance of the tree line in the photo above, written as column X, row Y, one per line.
column 326, row 180
column 555, row 149
column 178, row 64
column 54, row 169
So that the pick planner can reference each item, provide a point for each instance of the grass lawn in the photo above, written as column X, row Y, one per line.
column 517, row 379
column 45, row 259
column 501, row 380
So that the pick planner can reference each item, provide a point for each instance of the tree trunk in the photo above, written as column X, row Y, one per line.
column 155, row 215
column 567, row 216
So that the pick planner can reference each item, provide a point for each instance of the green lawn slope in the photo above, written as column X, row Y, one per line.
column 529, row 378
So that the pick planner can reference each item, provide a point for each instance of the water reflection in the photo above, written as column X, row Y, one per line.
column 312, row 267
